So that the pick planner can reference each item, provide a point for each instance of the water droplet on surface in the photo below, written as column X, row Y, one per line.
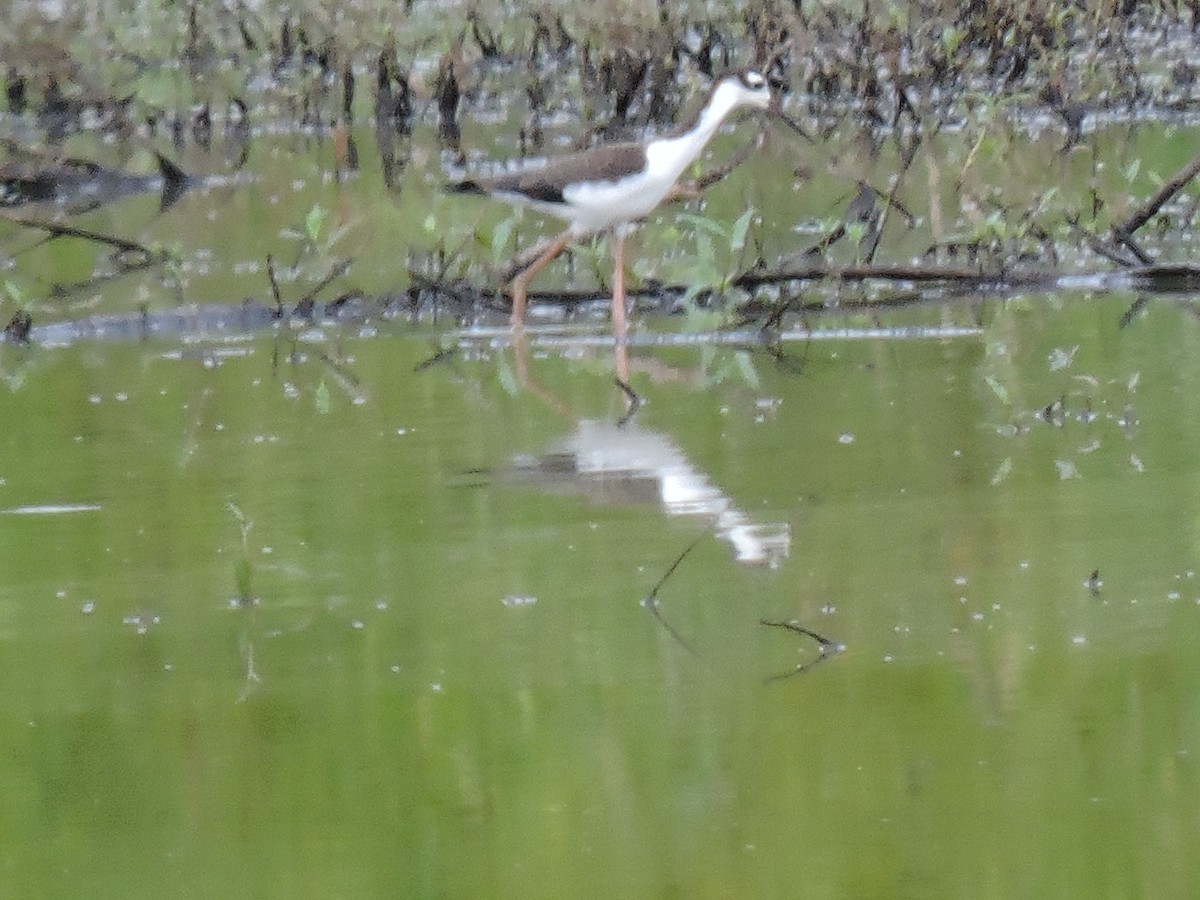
column 516, row 600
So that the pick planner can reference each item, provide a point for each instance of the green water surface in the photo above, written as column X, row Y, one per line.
column 418, row 675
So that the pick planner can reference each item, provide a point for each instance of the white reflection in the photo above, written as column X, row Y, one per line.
column 624, row 463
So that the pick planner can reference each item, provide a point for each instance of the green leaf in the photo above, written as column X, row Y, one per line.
column 745, row 366
column 322, row 398
column 16, row 295
column 737, row 238
column 705, row 255
column 314, row 222
column 500, row 235
column 1002, row 471
column 703, row 223
column 998, row 389
column 507, row 379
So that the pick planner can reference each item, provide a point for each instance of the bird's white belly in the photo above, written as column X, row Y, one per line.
column 595, row 206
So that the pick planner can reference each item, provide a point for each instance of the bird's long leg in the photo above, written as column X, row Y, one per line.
column 521, row 282
column 618, row 285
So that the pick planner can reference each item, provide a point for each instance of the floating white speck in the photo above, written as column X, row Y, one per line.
column 517, row 600
column 358, row 624
column 1079, row 639
column 88, row 608
column 50, row 509
column 1066, row 469
column 846, row 438
column 1060, row 357
column 141, row 622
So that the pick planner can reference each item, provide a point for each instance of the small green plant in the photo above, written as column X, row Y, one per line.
column 314, row 223
column 710, row 271
column 501, row 238
column 322, row 400
column 17, row 296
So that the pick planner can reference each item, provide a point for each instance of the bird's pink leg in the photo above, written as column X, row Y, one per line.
column 521, row 282
column 618, row 298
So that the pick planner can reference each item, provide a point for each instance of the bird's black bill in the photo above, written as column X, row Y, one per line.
column 775, row 113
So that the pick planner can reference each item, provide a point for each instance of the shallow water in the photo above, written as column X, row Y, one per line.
column 297, row 612
column 425, row 667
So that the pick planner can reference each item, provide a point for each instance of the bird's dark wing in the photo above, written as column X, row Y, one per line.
column 546, row 181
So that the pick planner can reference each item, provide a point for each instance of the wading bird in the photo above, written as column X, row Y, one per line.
column 610, row 187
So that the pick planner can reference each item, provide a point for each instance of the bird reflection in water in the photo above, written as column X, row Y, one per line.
column 622, row 462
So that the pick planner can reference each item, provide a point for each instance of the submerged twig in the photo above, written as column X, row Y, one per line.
column 55, row 230
column 1146, row 211
column 442, row 355
column 306, row 303
column 827, row 648
column 274, row 286
column 651, row 601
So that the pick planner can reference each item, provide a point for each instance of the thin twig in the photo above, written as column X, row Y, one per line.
column 335, row 271
column 1147, row 210
column 274, row 286
column 651, row 601
column 827, row 647
column 55, row 230
column 441, row 356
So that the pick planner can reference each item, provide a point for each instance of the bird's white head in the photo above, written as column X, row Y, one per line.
column 746, row 87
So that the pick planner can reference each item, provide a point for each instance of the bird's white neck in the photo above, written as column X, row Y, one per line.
column 668, row 157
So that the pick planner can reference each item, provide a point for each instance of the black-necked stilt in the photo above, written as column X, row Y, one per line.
column 608, row 188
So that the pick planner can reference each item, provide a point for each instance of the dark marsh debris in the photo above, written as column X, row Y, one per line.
column 886, row 76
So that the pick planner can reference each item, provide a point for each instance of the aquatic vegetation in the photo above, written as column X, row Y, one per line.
column 1007, row 138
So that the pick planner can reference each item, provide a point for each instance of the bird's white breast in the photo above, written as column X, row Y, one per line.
column 597, row 205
